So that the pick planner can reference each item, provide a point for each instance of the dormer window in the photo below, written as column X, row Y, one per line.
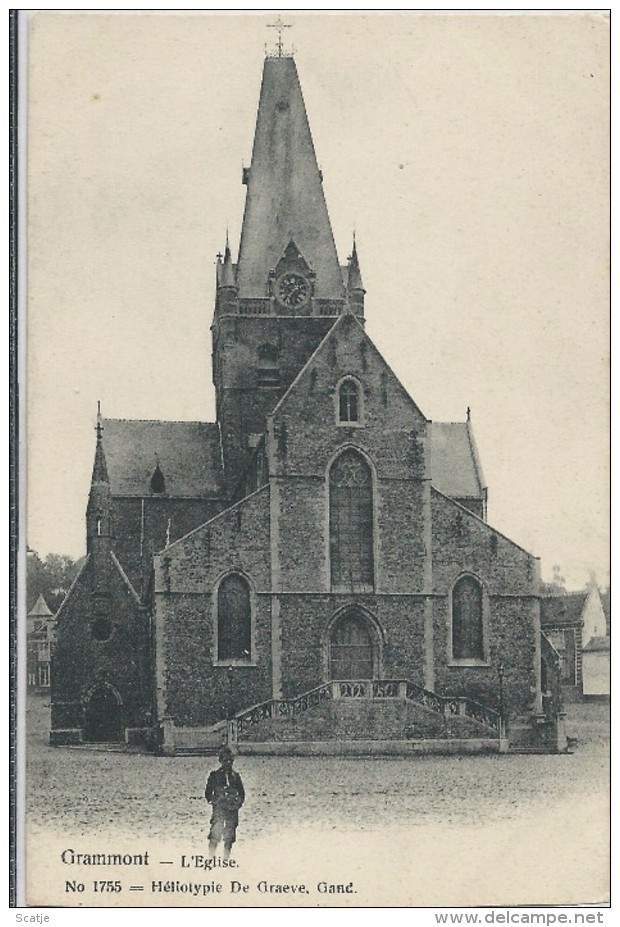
column 349, row 405
column 158, row 483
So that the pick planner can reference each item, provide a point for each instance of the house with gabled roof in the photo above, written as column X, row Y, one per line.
column 40, row 624
column 575, row 623
column 315, row 566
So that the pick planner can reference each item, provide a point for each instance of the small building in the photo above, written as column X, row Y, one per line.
column 596, row 667
column 40, row 638
column 575, row 625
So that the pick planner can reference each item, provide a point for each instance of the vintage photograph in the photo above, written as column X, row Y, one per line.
column 317, row 599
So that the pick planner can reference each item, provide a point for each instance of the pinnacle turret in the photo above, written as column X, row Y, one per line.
column 355, row 287
column 354, row 278
column 227, row 276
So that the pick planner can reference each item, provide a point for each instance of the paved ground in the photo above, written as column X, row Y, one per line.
column 491, row 829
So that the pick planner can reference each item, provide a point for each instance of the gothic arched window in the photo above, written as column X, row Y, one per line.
column 351, row 521
column 467, row 627
column 349, row 402
column 234, row 619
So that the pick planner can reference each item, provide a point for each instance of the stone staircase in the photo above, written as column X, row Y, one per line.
column 366, row 712
column 385, row 719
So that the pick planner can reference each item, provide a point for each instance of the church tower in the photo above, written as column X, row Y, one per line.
column 274, row 306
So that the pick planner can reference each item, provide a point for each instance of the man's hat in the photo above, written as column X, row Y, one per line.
column 225, row 754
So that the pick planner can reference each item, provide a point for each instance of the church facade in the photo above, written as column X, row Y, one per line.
column 323, row 540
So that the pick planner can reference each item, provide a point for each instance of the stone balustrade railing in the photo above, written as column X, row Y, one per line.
column 447, row 706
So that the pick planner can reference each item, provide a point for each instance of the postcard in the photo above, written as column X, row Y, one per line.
column 317, row 605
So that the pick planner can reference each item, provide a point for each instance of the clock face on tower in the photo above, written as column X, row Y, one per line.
column 292, row 290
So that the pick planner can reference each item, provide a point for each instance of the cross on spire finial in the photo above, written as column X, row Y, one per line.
column 279, row 25
column 99, row 425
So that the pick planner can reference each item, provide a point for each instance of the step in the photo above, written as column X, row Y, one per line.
column 389, row 719
column 365, row 748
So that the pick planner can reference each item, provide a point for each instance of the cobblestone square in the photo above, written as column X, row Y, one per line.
column 432, row 830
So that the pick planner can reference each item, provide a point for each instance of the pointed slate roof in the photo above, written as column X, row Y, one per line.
column 40, row 609
column 227, row 276
column 455, row 470
column 100, row 470
column 187, row 453
column 354, row 276
column 284, row 191
column 345, row 318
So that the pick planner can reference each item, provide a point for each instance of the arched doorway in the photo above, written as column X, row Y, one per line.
column 351, row 650
column 102, row 716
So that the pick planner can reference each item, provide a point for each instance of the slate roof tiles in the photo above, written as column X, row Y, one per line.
column 188, row 454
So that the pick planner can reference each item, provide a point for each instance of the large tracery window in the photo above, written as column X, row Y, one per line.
column 351, row 522
column 234, row 619
column 467, row 624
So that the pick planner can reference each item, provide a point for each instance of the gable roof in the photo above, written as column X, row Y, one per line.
column 74, row 585
column 559, row 610
column 284, row 190
column 437, row 494
column 455, row 468
column 188, row 454
column 40, row 609
column 343, row 319
column 221, row 516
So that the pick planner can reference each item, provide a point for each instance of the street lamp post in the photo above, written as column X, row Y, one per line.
column 231, row 710
column 502, row 726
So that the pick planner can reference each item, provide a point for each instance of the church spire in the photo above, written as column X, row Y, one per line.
column 355, row 287
column 100, row 469
column 285, row 200
column 99, row 509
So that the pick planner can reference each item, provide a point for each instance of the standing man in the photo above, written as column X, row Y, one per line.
column 224, row 791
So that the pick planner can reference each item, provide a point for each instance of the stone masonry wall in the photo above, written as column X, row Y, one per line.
column 305, row 622
column 197, row 692
column 304, row 439
column 242, row 404
column 79, row 661
column 191, row 689
column 509, row 575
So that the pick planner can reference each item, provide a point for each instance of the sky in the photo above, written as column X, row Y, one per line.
column 468, row 152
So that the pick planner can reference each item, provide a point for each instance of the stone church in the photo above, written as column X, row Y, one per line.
column 316, row 565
